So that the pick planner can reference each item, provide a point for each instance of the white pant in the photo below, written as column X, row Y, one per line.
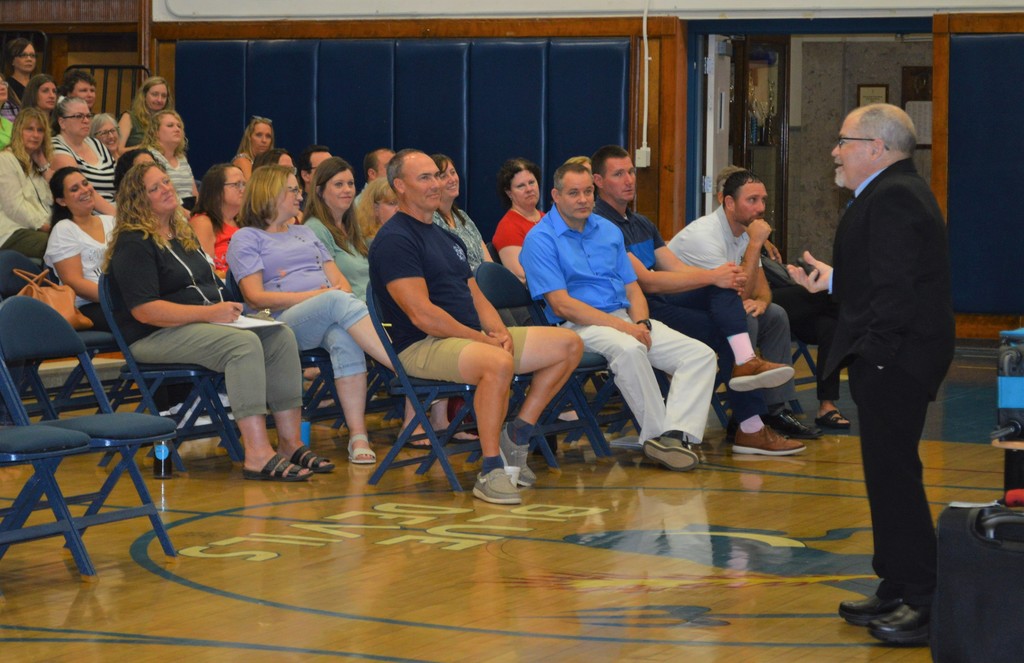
column 690, row 363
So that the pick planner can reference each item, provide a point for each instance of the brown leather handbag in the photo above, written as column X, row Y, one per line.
column 59, row 297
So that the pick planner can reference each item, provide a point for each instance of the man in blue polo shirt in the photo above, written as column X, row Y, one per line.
column 704, row 304
column 443, row 328
column 577, row 262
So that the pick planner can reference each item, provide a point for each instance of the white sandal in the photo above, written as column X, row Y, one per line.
column 361, row 456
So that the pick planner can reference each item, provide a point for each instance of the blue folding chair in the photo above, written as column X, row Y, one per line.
column 505, row 291
column 421, row 393
column 123, row 433
column 141, row 380
column 42, row 447
column 65, row 397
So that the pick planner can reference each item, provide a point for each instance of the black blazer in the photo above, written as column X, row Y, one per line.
column 892, row 280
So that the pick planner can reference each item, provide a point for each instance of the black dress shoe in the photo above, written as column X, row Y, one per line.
column 862, row 612
column 786, row 424
column 904, row 626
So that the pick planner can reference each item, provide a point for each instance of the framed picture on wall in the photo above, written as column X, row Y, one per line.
column 872, row 93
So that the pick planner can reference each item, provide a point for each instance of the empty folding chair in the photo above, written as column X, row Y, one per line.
column 124, row 433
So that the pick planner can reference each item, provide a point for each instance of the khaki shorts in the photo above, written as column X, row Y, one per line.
column 438, row 358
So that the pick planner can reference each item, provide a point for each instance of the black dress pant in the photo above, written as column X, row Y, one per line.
column 891, row 409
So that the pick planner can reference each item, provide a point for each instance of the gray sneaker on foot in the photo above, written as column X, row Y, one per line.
column 496, row 487
column 672, row 453
column 516, row 455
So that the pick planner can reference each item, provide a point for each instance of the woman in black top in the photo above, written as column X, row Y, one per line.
column 177, row 314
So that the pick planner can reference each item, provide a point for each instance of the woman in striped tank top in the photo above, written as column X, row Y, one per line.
column 75, row 147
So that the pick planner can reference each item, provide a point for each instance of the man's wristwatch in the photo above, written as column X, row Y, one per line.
column 645, row 322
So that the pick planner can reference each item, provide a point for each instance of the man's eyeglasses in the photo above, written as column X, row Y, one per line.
column 240, row 186
column 78, row 116
column 843, row 140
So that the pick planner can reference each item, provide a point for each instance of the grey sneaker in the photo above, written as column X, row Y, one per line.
column 516, row 455
column 672, row 453
column 496, row 487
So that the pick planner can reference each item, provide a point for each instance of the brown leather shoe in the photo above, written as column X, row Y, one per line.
column 759, row 374
column 765, row 442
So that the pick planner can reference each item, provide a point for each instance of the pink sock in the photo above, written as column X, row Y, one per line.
column 752, row 425
column 742, row 350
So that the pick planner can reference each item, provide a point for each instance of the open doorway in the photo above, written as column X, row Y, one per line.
column 774, row 103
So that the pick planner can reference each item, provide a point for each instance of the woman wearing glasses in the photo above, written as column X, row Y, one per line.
column 78, row 241
column 165, row 138
column 172, row 297
column 286, row 269
column 21, row 62
column 104, row 129
column 75, row 147
column 213, row 218
column 152, row 97
column 257, row 139
column 24, row 194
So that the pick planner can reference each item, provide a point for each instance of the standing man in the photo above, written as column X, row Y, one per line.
column 577, row 262
column 735, row 232
column 443, row 327
column 896, row 333
column 703, row 304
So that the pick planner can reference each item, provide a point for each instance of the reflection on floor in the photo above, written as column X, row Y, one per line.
column 744, row 559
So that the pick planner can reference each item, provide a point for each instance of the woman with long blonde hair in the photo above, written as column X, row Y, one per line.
column 257, row 138
column 154, row 95
column 172, row 304
column 25, row 197
column 165, row 138
column 374, row 206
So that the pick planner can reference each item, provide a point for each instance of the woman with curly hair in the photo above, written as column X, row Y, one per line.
column 175, row 313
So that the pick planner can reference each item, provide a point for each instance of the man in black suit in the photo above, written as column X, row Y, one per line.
column 896, row 334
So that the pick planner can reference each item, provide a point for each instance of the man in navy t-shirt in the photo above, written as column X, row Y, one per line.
column 443, row 328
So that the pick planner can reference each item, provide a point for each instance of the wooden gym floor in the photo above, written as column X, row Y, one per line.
column 744, row 559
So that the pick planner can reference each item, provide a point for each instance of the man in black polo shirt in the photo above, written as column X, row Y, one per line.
column 701, row 303
column 443, row 328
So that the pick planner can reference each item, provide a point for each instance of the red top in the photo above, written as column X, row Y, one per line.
column 511, row 230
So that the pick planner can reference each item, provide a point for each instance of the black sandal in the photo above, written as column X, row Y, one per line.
column 833, row 419
column 305, row 458
column 277, row 469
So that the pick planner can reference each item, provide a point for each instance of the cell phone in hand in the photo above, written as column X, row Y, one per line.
column 805, row 265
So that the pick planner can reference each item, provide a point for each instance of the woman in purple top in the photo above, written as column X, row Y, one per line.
column 286, row 269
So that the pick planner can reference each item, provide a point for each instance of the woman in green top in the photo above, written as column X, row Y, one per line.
column 332, row 219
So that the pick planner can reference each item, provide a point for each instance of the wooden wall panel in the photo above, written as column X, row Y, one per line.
column 41, row 12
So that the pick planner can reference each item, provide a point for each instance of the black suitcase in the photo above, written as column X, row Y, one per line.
column 979, row 599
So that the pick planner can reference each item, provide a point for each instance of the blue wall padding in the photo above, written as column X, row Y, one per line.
column 986, row 167
column 479, row 101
